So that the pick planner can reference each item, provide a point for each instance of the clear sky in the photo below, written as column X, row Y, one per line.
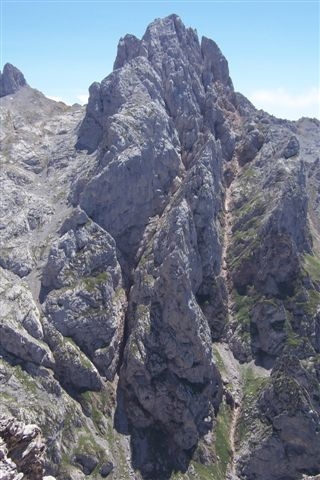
column 272, row 46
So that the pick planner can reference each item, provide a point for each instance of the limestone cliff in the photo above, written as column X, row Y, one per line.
column 160, row 272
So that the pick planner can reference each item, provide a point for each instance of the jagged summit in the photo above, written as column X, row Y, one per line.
column 162, row 31
column 11, row 80
column 167, row 37
column 172, row 64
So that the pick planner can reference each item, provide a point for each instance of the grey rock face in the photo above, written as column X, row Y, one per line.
column 152, row 96
column 152, row 114
column 37, row 165
column 72, row 366
column 181, row 385
column 137, row 174
column 203, row 191
column 279, row 227
column 267, row 327
column 216, row 65
column 20, row 325
column 290, row 405
column 106, row 469
column 84, row 299
column 272, row 240
column 292, row 148
column 11, row 80
column 250, row 146
column 91, row 127
column 87, row 462
column 179, row 265
column 21, row 450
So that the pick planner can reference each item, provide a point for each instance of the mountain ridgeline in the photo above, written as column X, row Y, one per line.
column 160, row 275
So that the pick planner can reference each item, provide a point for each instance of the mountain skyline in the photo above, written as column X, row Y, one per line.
column 272, row 47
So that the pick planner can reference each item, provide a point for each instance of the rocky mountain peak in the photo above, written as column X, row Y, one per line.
column 173, row 68
column 215, row 64
column 159, row 275
column 167, row 38
column 11, row 80
column 164, row 34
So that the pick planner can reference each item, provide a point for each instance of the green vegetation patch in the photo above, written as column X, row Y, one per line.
column 94, row 281
column 218, row 360
column 26, row 379
column 248, row 218
column 251, row 208
column 311, row 264
column 294, row 340
column 87, row 444
column 313, row 303
column 252, row 386
column 248, row 172
column 6, row 398
column 98, row 406
column 204, row 472
column 252, row 383
column 243, row 305
column 292, row 337
column 222, row 448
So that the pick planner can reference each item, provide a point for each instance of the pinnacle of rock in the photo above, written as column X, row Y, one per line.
column 11, row 80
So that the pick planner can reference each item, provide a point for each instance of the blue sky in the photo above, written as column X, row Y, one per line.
column 272, row 46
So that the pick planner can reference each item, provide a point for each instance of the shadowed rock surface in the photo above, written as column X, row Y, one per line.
column 21, row 450
column 11, row 80
column 160, row 273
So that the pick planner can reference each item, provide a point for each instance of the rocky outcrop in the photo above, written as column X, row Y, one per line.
column 250, row 146
column 20, row 326
column 153, row 113
column 267, row 330
column 84, row 298
column 290, row 405
column 32, row 146
column 21, row 450
column 151, row 96
column 292, row 148
column 11, row 80
column 136, row 175
column 45, row 377
column 170, row 382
